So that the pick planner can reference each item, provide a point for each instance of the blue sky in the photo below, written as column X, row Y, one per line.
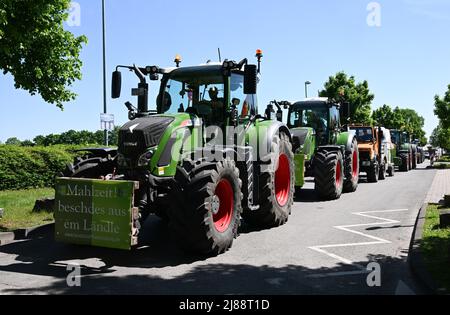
column 406, row 60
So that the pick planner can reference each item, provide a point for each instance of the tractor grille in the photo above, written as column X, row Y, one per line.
column 364, row 155
column 141, row 133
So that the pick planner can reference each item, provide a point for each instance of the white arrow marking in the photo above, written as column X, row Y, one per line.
column 346, row 228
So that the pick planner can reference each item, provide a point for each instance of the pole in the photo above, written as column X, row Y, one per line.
column 104, row 70
column 306, row 90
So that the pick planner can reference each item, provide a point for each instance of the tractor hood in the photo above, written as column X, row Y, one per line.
column 142, row 133
column 367, row 146
column 300, row 137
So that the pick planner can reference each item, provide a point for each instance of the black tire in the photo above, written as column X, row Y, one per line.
column 391, row 171
column 405, row 162
column 414, row 159
column 373, row 173
column 203, row 188
column 410, row 156
column 351, row 168
column 276, row 187
column 328, row 174
column 382, row 175
column 90, row 167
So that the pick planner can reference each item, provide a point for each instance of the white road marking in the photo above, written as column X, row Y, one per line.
column 347, row 228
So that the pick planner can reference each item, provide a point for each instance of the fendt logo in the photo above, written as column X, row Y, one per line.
column 133, row 127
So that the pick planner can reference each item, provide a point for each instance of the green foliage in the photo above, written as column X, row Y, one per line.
column 343, row 88
column 18, row 207
column 13, row 141
column 32, row 167
column 435, row 246
column 441, row 137
column 442, row 108
column 386, row 117
column 83, row 137
column 413, row 123
column 71, row 137
column 402, row 119
column 37, row 51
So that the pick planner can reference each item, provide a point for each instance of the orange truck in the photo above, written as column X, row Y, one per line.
column 369, row 146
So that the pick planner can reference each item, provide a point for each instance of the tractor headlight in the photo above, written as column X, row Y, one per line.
column 145, row 158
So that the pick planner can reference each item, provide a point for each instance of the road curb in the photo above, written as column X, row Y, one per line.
column 21, row 234
column 415, row 257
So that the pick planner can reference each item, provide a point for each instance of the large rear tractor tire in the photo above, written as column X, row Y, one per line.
column 351, row 168
column 329, row 174
column 207, row 206
column 276, row 187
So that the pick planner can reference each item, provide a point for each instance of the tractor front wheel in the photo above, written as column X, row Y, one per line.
column 373, row 172
column 329, row 174
column 207, row 206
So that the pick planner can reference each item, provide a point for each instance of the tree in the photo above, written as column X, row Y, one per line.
column 13, row 141
column 27, row 143
column 442, row 108
column 388, row 118
column 441, row 137
column 35, row 49
column 344, row 88
column 402, row 119
column 413, row 123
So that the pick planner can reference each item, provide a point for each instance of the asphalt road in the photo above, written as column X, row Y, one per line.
column 325, row 248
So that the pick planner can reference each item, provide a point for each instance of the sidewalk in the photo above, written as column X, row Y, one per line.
column 440, row 187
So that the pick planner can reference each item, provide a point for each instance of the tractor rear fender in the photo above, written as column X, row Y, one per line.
column 274, row 129
column 345, row 139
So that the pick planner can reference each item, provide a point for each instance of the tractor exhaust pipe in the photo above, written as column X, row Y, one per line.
column 141, row 92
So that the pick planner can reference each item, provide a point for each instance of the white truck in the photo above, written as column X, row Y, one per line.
column 387, row 151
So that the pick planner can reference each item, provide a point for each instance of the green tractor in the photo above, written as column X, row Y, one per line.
column 322, row 148
column 406, row 151
column 204, row 158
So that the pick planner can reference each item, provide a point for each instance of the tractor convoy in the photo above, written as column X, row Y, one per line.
column 205, row 159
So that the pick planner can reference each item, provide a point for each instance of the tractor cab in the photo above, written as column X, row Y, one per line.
column 208, row 93
column 319, row 116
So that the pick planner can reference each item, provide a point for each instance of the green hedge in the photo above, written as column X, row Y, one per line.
column 32, row 167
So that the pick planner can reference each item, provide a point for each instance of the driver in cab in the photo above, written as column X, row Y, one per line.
column 216, row 104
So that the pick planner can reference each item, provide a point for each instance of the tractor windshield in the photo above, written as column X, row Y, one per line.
column 203, row 96
column 364, row 134
column 311, row 115
column 398, row 137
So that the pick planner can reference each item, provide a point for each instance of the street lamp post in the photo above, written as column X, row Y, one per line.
column 306, row 88
column 104, row 69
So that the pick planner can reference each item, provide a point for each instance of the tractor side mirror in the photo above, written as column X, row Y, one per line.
column 116, row 85
column 250, row 79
